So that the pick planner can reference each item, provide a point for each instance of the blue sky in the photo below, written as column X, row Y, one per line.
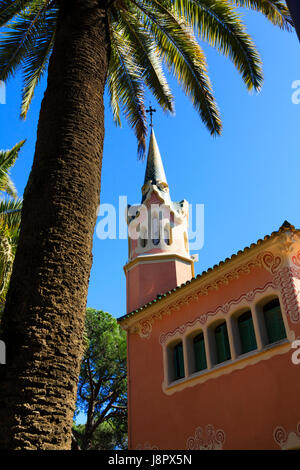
column 247, row 179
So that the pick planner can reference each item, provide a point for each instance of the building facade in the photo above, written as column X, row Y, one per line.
column 213, row 360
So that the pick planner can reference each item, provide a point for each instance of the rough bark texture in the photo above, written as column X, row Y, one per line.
column 294, row 7
column 45, row 310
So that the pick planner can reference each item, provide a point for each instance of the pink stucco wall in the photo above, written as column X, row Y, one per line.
column 246, row 405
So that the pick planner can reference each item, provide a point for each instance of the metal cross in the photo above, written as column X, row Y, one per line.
column 151, row 111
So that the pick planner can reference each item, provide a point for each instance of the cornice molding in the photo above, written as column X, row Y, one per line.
column 223, row 309
column 156, row 257
column 272, row 257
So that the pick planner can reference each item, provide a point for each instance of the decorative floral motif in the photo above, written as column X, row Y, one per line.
column 146, row 446
column 296, row 259
column 145, row 326
column 288, row 282
column 280, row 435
column 202, row 319
column 287, row 440
column 270, row 262
column 286, row 279
column 210, row 440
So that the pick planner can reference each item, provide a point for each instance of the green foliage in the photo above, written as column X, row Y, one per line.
column 102, row 388
column 144, row 35
column 7, row 160
column 274, row 10
column 109, row 435
column 10, row 218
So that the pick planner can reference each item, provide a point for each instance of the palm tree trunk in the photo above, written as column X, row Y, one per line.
column 294, row 7
column 45, row 309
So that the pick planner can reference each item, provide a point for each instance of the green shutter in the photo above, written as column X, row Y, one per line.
column 178, row 361
column 274, row 322
column 247, row 334
column 222, row 343
column 199, row 352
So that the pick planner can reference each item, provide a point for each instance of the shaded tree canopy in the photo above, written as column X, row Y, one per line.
column 102, row 387
column 110, row 435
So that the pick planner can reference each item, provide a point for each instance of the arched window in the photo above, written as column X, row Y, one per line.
column 167, row 235
column 274, row 322
column 247, row 333
column 155, row 231
column 178, row 361
column 143, row 239
column 222, row 343
column 199, row 353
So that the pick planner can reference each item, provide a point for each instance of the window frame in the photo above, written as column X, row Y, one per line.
column 197, row 335
column 238, row 358
column 239, row 320
column 228, row 356
column 281, row 338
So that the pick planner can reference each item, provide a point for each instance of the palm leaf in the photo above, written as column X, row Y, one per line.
column 10, row 214
column 144, row 48
column 7, row 185
column 9, row 9
column 37, row 59
column 6, row 263
column 275, row 11
column 125, row 78
column 7, row 160
column 19, row 39
column 220, row 25
column 10, row 218
column 184, row 58
column 155, row 32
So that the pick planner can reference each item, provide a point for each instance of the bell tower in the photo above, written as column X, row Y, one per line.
column 158, row 251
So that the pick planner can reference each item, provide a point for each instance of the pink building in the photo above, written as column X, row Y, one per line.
column 213, row 360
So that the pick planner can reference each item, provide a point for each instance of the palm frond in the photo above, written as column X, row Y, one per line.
column 145, row 50
column 10, row 218
column 36, row 60
column 7, row 160
column 6, row 262
column 275, row 11
column 7, row 186
column 145, row 35
column 125, row 85
column 9, row 9
column 112, row 83
column 184, row 58
column 10, row 214
column 220, row 25
column 19, row 39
